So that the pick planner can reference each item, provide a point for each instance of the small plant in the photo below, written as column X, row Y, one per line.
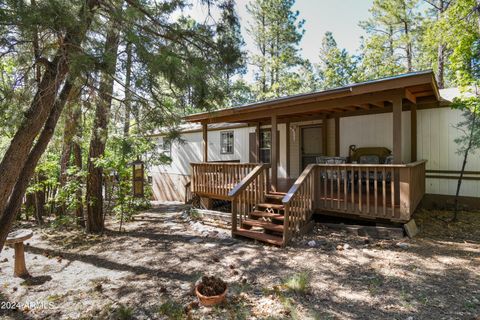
column 374, row 285
column 298, row 283
column 124, row 313
column 194, row 214
column 172, row 309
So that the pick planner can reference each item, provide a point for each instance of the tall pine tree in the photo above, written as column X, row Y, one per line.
column 336, row 67
column 276, row 31
column 392, row 42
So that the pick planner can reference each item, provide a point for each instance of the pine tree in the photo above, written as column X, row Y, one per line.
column 276, row 31
column 170, row 56
column 433, row 47
column 392, row 44
column 337, row 67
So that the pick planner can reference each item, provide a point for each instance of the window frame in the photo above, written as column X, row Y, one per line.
column 166, row 148
column 225, row 139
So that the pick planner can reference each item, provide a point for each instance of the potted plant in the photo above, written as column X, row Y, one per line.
column 211, row 291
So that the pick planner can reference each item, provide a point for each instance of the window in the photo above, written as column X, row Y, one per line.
column 226, row 142
column 165, row 147
column 265, row 146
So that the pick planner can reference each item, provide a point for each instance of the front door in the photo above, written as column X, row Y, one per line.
column 312, row 145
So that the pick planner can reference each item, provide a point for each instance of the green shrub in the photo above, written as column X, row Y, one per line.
column 299, row 282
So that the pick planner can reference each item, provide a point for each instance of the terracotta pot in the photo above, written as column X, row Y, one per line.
column 210, row 301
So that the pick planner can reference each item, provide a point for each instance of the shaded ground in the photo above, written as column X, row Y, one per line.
column 148, row 272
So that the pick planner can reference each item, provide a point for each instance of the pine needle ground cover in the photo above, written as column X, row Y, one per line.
column 149, row 271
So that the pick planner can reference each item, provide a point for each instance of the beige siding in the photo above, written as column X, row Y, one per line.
column 436, row 135
column 373, row 131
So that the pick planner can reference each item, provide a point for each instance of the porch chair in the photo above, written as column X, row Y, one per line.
column 330, row 174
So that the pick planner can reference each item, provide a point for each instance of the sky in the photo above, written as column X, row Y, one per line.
column 341, row 17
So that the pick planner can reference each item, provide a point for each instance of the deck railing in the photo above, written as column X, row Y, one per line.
column 385, row 191
column 298, row 203
column 377, row 191
column 216, row 179
column 248, row 193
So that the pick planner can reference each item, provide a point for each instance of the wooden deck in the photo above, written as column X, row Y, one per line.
column 373, row 191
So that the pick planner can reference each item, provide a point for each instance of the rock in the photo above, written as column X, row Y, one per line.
column 346, row 246
column 196, row 240
column 340, row 247
column 312, row 243
column 403, row 245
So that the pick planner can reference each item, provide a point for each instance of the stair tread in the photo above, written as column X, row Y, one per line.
column 259, row 236
column 263, row 224
column 271, row 205
column 265, row 214
column 277, row 192
column 275, row 196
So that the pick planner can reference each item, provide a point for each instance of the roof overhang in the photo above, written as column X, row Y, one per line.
column 419, row 88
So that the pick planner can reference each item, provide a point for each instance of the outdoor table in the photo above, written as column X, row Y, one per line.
column 17, row 238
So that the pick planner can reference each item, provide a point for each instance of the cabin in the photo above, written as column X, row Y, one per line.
column 373, row 150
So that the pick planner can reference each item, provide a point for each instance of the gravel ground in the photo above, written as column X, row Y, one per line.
column 149, row 271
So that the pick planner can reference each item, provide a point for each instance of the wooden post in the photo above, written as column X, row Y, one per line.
column 287, row 147
column 397, row 130
column 205, row 142
column 257, row 142
column 405, row 193
column 324, row 136
column 20, row 269
column 274, row 152
column 413, row 132
column 337, row 136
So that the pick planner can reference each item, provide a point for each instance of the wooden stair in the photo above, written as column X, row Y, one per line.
column 264, row 237
column 265, row 223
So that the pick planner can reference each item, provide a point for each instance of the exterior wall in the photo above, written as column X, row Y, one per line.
column 435, row 134
column 169, row 180
column 374, row 131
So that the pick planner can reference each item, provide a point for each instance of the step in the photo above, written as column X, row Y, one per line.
column 271, row 206
column 277, row 193
column 260, row 236
column 275, row 196
column 263, row 224
column 263, row 214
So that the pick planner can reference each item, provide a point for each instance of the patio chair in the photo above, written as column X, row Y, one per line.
column 369, row 159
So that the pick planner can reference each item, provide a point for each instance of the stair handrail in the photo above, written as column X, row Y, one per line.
column 241, row 199
column 295, row 220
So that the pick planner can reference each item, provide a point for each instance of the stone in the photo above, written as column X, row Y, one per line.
column 411, row 228
column 312, row 243
column 196, row 240
column 403, row 245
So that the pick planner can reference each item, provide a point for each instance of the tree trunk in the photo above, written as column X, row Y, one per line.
column 128, row 92
column 77, row 155
column 464, row 163
column 54, row 75
column 28, row 169
column 94, row 199
column 30, row 204
column 40, row 197
column 71, row 124
column 441, row 66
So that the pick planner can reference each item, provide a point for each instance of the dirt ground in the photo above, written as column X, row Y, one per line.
column 149, row 271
